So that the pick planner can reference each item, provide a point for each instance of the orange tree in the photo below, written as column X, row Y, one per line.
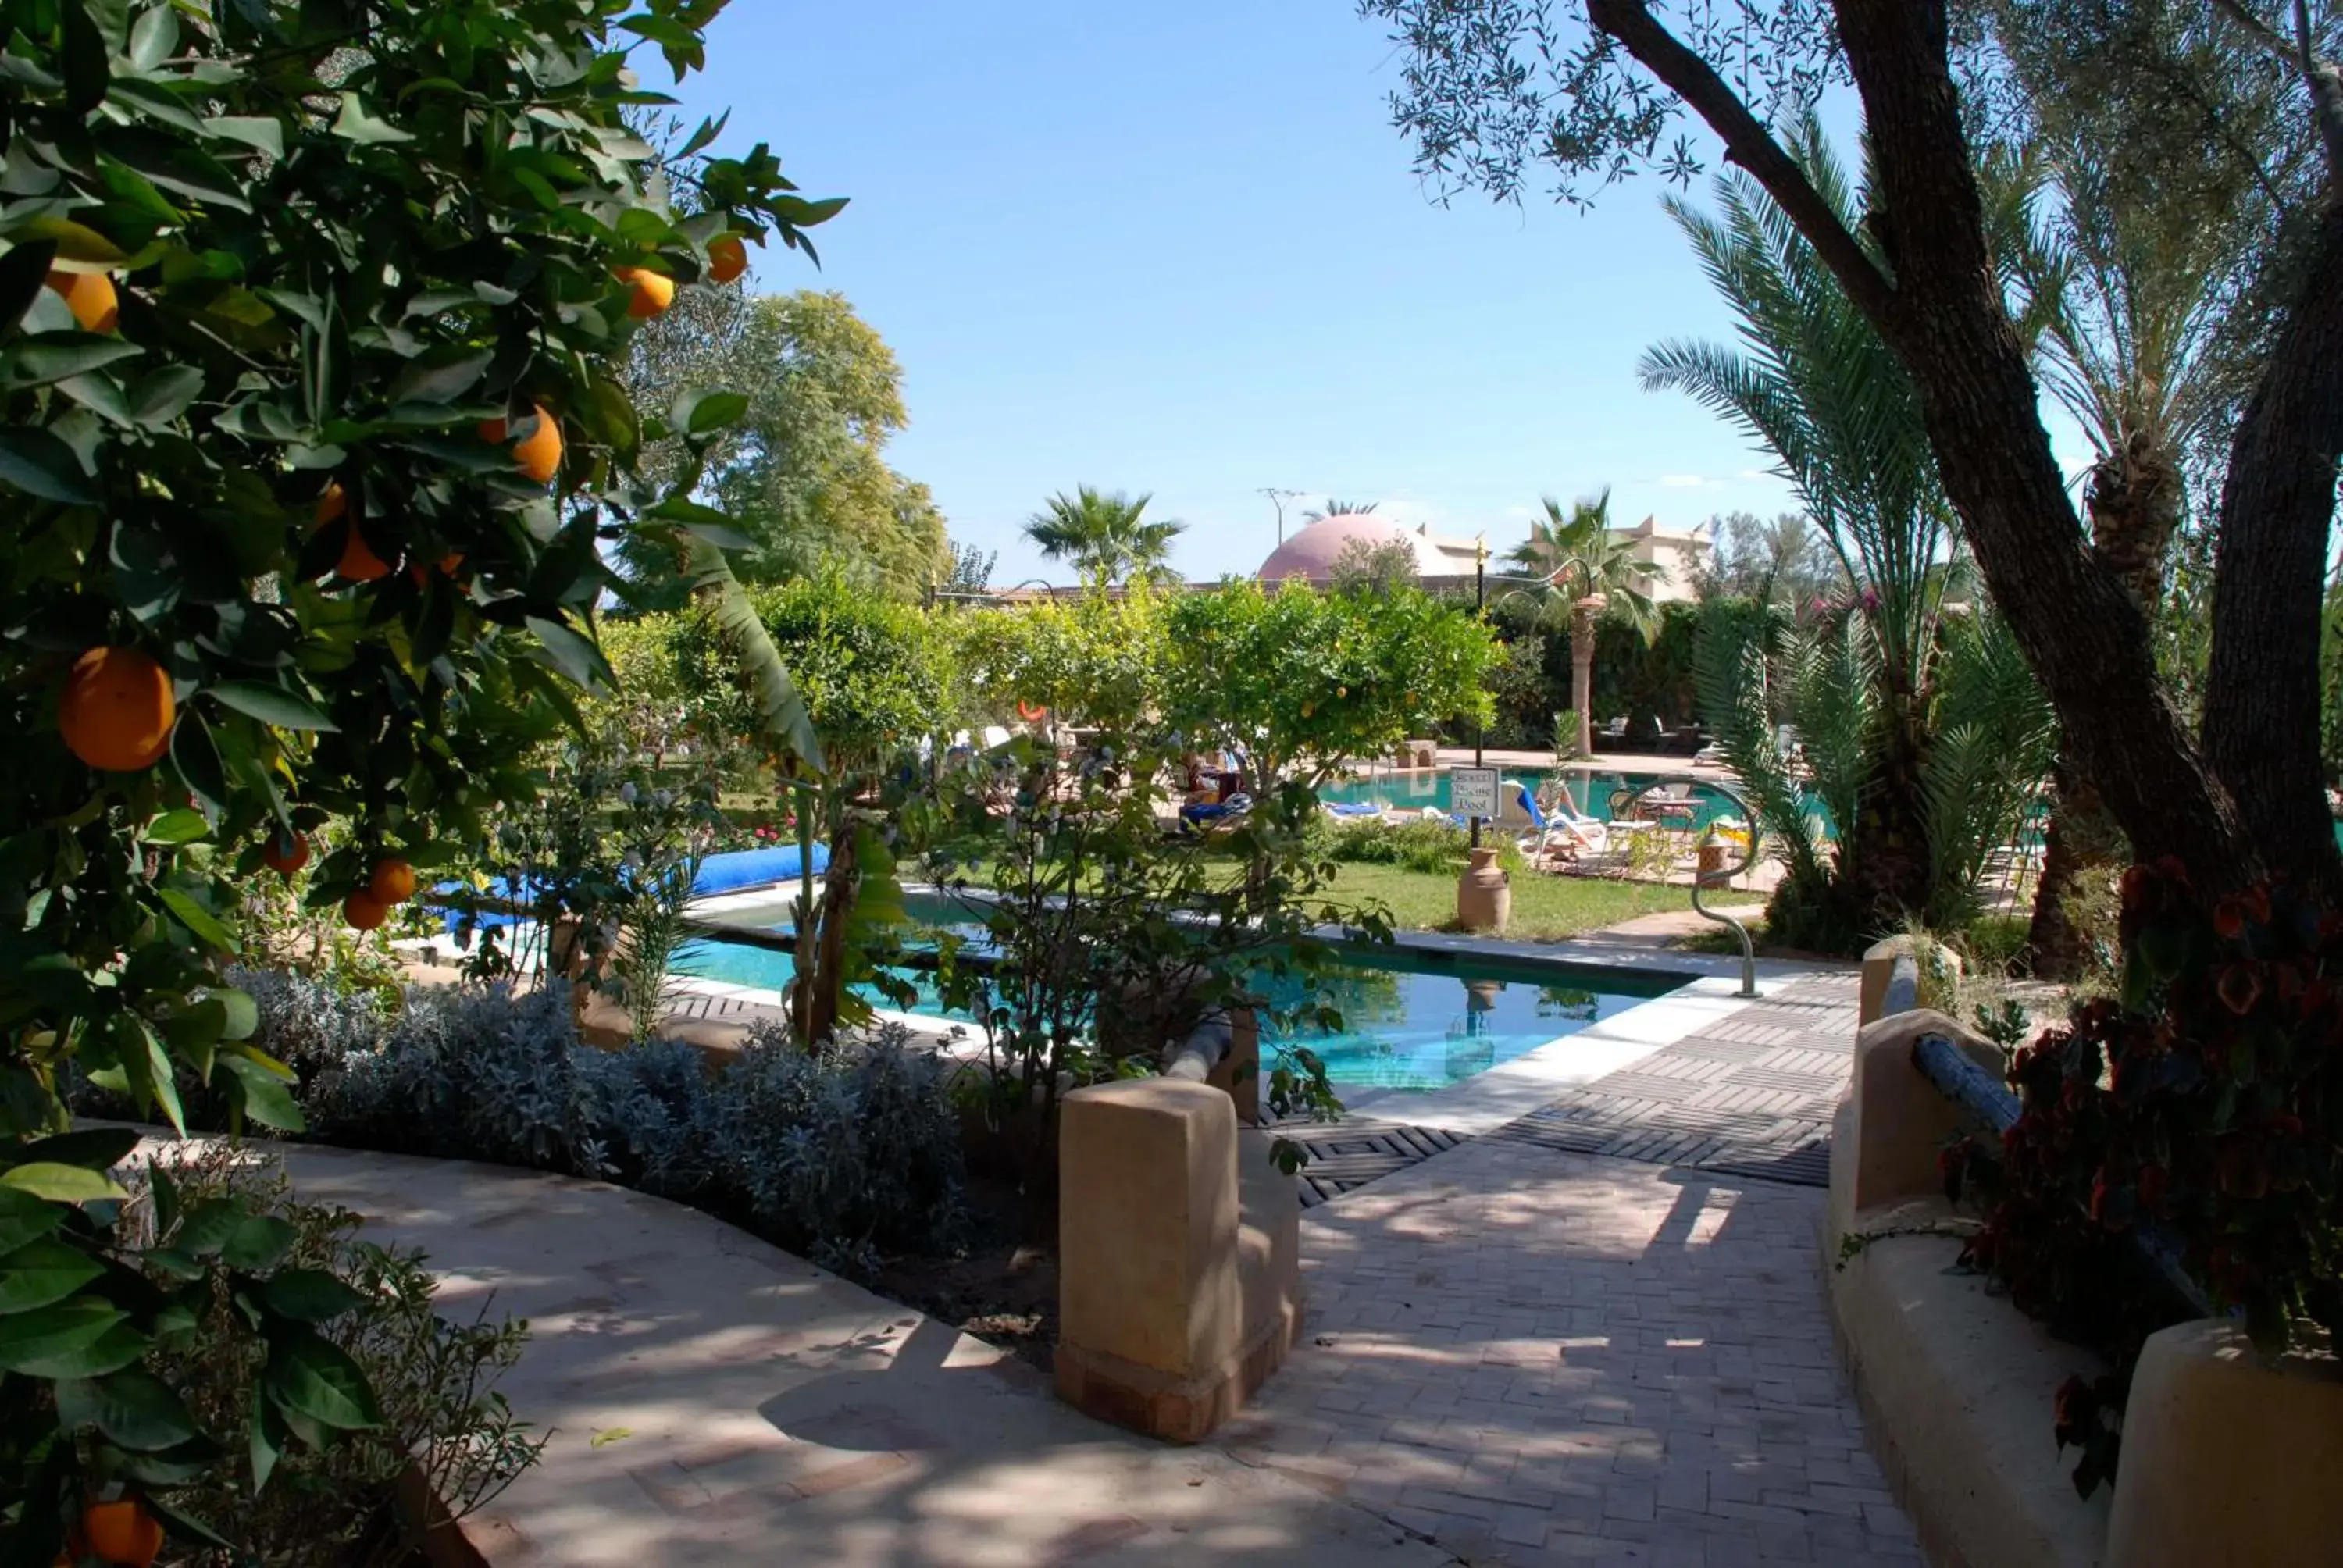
column 309, row 447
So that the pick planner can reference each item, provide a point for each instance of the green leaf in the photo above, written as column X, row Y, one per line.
column 573, row 655
column 162, row 396
column 38, row 463
column 49, row 357
column 197, row 758
column 356, row 124
column 308, row 1376
column 22, row 270
column 200, row 921
column 266, row 1099
column 443, row 375
column 25, row 1217
column 243, row 1013
column 43, row 1271
column 266, row 1436
column 260, row 1243
column 714, row 411
column 133, row 1407
column 61, row 1183
column 252, row 130
column 172, row 163
column 99, row 395
column 162, row 1078
column 310, row 1295
column 270, row 705
column 155, row 36
column 178, row 826
column 91, row 1148
column 39, row 1342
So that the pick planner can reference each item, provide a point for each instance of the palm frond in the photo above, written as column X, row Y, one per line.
column 781, row 707
column 1996, row 739
column 1732, row 671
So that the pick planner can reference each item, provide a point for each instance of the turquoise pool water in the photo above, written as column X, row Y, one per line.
column 1410, row 1019
column 1591, row 790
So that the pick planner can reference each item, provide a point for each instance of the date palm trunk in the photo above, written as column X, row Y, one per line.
column 2133, row 504
column 1582, row 616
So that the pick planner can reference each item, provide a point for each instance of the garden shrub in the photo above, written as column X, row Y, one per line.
column 432, row 1377
column 839, row 1154
column 2205, row 1101
column 1420, row 845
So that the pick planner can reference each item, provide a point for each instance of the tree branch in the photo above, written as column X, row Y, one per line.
column 2326, row 86
column 2320, row 79
column 1750, row 145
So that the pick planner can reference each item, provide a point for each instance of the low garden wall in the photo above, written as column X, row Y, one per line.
column 2229, row 1455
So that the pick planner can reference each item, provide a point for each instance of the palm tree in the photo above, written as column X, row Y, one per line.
column 1333, row 508
column 1579, row 561
column 1815, row 385
column 1105, row 537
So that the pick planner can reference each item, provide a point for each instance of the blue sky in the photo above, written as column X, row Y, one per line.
column 1181, row 249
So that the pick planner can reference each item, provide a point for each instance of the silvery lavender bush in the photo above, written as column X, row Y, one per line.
column 843, row 1154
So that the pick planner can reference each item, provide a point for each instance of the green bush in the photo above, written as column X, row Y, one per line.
column 433, row 1377
column 1419, row 844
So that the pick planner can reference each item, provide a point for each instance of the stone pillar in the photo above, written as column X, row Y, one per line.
column 1879, row 967
column 1174, row 1303
column 1239, row 1072
column 2229, row 1455
column 1900, row 1122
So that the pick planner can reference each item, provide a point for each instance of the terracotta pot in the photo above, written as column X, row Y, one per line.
column 1484, row 894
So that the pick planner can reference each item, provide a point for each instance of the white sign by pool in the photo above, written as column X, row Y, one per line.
column 1473, row 791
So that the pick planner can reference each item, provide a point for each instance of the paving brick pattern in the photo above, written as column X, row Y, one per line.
column 1750, row 1095
column 1348, row 1158
column 1533, row 1355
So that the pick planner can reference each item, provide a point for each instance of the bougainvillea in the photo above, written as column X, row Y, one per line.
column 2198, row 1114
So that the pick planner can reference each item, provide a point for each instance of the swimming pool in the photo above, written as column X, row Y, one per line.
column 1411, row 1017
column 1591, row 789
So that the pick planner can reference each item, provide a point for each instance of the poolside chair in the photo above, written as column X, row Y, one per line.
column 1205, row 814
column 1564, row 833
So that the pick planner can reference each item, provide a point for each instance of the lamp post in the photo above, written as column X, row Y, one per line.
column 1278, row 498
column 1481, row 613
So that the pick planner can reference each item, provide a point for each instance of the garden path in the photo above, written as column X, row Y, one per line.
column 711, row 1398
column 1535, row 1355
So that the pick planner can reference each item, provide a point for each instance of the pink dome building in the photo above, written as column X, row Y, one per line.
column 1310, row 552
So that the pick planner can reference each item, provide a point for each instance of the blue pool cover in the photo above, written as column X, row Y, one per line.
column 734, row 871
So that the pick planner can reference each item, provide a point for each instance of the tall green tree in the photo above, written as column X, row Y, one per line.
column 1580, row 562
column 2146, row 275
column 804, row 470
column 1600, row 89
column 1820, row 390
column 1109, row 539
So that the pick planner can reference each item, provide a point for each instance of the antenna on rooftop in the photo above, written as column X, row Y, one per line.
column 1278, row 498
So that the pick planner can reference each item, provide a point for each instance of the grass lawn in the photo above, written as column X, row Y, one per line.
column 1546, row 909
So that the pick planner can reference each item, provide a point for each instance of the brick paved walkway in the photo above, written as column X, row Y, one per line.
column 1533, row 1356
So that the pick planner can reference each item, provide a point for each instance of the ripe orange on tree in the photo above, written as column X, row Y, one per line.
column 122, row 1532
column 728, row 258
column 90, row 297
column 117, row 710
column 392, row 882
column 365, row 911
column 331, row 504
column 653, row 292
column 539, row 453
column 285, row 854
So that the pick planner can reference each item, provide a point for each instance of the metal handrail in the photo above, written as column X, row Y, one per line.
column 1722, row 876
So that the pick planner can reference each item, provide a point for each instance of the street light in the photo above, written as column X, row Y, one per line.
column 1278, row 498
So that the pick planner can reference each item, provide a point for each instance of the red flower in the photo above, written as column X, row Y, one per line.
column 2229, row 919
column 2240, row 987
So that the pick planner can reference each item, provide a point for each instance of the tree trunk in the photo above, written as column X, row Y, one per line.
column 1885, row 875
column 2269, row 577
column 1582, row 668
column 2250, row 801
column 2134, row 504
